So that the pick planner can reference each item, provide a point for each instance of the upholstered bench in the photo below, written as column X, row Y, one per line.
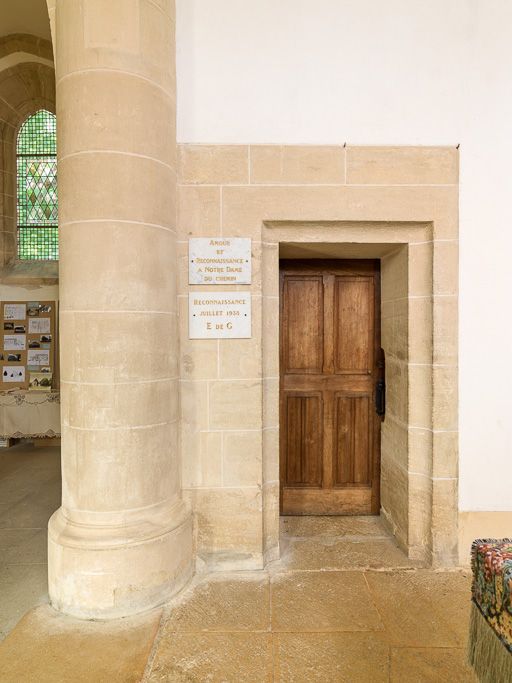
column 490, row 636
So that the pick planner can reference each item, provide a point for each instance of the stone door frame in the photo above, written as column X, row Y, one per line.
column 418, row 505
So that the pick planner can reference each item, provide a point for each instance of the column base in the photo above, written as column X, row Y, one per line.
column 110, row 569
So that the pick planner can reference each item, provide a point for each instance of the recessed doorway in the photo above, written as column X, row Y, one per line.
column 331, row 387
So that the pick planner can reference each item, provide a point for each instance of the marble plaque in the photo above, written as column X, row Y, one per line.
column 219, row 315
column 219, row 261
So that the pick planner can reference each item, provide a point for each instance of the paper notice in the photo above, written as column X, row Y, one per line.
column 38, row 325
column 11, row 373
column 15, row 311
column 15, row 342
column 38, row 357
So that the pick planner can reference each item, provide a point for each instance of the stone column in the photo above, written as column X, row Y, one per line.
column 122, row 540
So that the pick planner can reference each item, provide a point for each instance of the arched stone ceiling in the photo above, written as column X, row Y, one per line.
column 25, row 16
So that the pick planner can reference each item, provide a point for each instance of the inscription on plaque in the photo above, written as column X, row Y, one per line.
column 219, row 315
column 219, row 261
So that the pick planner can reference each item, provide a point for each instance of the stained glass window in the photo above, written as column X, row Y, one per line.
column 36, row 154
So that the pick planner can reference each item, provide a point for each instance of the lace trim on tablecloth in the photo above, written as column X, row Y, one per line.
column 50, row 434
column 30, row 398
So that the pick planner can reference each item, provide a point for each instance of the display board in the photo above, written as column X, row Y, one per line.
column 27, row 351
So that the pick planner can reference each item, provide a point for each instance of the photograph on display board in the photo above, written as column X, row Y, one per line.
column 40, row 381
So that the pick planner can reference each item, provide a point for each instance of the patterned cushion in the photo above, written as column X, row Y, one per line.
column 491, row 562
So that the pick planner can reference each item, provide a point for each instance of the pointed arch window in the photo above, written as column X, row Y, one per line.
column 36, row 157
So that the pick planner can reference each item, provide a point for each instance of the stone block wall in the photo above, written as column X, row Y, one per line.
column 397, row 204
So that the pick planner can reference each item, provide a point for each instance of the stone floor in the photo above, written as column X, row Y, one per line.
column 342, row 605
column 29, row 493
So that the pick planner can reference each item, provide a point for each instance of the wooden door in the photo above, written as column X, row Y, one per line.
column 330, row 432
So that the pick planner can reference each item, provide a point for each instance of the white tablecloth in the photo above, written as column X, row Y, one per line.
column 29, row 414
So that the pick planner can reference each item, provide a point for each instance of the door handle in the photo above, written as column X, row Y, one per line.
column 380, row 388
column 380, row 398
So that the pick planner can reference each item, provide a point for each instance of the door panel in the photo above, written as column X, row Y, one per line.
column 353, row 325
column 353, row 451
column 304, row 440
column 330, row 433
column 303, row 331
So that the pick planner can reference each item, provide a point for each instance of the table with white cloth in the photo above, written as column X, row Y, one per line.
column 29, row 414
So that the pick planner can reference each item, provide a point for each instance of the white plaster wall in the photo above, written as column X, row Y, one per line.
column 29, row 292
column 375, row 72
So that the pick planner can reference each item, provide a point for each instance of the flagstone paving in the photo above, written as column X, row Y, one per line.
column 352, row 620
column 343, row 604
